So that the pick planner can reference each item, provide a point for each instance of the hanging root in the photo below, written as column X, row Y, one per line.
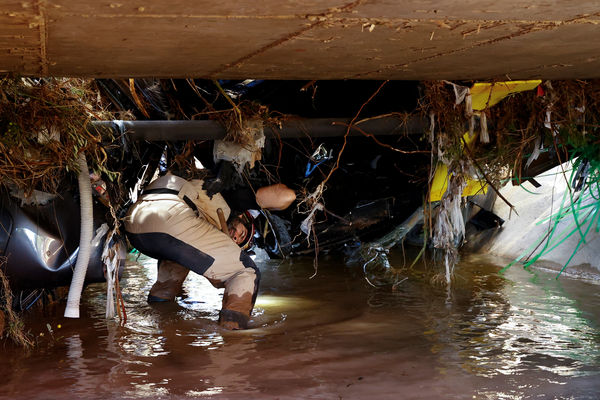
column 9, row 320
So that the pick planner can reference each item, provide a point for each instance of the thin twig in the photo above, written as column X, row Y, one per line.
column 316, row 259
column 470, row 155
column 337, row 163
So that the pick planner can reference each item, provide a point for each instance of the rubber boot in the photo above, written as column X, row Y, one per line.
column 238, row 300
column 241, row 289
column 233, row 320
column 169, row 281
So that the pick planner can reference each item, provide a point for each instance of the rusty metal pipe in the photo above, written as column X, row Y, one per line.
column 160, row 130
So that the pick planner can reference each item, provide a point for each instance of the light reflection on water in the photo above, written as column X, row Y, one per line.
column 532, row 324
column 518, row 325
column 521, row 335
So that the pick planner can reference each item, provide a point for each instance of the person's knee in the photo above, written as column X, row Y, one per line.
column 248, row 262
column 245, row 281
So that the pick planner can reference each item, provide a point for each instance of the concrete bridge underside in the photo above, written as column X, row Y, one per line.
column 312, row 39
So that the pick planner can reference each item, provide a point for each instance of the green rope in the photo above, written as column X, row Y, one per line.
column 551, row 245
column 579, row 243
column 576, row 202
column 564, row 214
column 585, row 215
column 527, row 190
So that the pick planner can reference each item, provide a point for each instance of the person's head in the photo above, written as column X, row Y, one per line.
column 237, row 230
column 241, row 229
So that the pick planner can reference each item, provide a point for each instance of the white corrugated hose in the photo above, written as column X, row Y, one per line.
column 85, row 238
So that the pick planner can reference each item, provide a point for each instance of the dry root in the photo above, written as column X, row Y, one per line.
column 11, row 325
column 43, row 127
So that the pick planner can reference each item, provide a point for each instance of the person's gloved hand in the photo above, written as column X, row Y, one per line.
column 226, row 179
column 213, row 186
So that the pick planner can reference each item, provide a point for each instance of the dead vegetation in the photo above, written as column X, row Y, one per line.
column 558, row 118
column 11, row 325
column 45, row 125
column 562, row 113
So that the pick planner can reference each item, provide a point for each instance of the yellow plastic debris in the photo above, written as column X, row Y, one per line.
column 483, row 95
column 440, row 184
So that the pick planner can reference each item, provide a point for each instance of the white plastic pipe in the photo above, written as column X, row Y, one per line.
column 85, row 238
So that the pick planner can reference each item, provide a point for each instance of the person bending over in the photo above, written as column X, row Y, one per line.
column 176, row 222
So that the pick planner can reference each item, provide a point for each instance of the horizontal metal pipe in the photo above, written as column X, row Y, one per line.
column 160, row 130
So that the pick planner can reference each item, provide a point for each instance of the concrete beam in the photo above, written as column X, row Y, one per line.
column 313, row 39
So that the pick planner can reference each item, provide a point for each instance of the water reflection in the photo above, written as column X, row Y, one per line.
column 521, row 335
column 510, row 326
column 525, row 324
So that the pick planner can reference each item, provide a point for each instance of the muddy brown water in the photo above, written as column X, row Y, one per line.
column 518, row 336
